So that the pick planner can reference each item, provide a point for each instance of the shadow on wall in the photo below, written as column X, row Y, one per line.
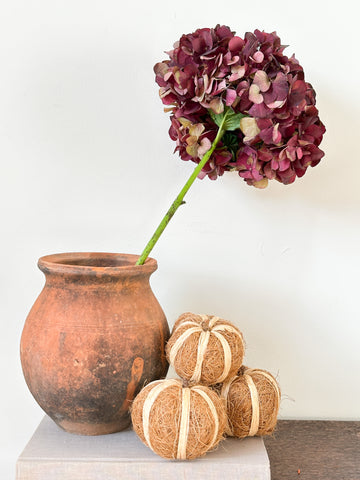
column 275, row 323
column 263, row 316
column 334, row 183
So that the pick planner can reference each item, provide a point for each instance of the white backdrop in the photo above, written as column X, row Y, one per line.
column 87, row 165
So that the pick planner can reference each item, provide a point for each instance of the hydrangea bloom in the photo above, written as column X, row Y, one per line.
column 213, row 69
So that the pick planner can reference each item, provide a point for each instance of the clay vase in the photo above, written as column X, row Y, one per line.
column 95, row 335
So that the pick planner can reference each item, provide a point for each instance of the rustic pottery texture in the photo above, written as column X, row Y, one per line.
column 94, row 336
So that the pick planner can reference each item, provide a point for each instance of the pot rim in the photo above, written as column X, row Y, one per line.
column 66, row 263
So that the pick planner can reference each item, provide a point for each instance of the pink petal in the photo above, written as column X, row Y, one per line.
column 236, row 44
column 220, row 87
column 180, row 91
column 161, row 68
column 237, row 72
column 284, row 165
column 249, row 128
column 255, row 95
column 196, row 130
column 276, row 104
column 276, row 135
column 205, row 145
column 274, row 164
column 233, row 60
column 262, row 80
column 230, row 96
column 202, row 175
column 217, row 105
column 258, row 57
column 168, row 75
column 209, row 88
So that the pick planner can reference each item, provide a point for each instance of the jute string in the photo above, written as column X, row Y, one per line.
column 161, row 386
column 268, row 376
column 255, row 416
column 179, row 342
column 184, row 424
column 212, row 410
column 203, row 343
column 202, row 346
column 149, row 402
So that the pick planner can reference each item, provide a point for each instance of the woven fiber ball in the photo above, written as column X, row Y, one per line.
column 205, row 349
column 252, row 399
column 176, row 421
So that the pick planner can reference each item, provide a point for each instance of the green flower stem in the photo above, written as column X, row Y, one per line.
column 179, row 199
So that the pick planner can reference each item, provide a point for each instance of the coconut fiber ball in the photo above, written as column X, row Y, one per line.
column 205, row 349
column 252, row 399
column 178, row 421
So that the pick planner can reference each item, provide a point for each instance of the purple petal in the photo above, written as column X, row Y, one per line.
column 297, row 94
column 161, row 68
column 267, row 135
column 250, row 45
column 260, row 111
column 281, row 86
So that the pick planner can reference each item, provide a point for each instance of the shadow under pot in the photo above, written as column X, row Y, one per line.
column 94, row 336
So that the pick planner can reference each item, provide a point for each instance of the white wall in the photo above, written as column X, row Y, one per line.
column 87, row 164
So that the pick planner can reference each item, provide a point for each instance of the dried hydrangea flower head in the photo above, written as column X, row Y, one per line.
column 237, row 104
column 276, row 129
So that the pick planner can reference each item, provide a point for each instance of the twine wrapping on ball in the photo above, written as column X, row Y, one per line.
column 252, row 400
column 205, row 349
column 178, row 421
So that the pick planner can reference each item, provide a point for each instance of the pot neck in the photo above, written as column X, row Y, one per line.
column 95, row 267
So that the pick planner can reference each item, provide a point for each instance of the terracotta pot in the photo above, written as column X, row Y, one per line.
column 94, row 336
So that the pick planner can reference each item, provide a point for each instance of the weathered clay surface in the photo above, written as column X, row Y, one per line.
column 94, row 336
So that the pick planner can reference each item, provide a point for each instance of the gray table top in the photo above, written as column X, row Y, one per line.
column 54, row 454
